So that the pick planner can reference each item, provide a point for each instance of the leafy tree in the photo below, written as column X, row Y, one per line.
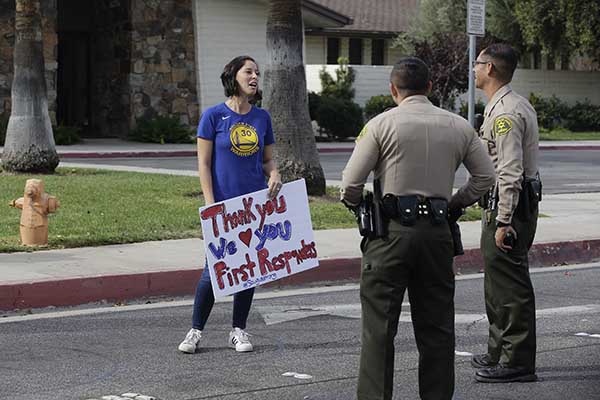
column 559, row 27
column 286, row 99
column 448, row 59
column 502, row 24
column 29, row 145
column 438, row 36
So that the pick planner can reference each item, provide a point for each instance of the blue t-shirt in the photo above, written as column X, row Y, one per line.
column 238, row 146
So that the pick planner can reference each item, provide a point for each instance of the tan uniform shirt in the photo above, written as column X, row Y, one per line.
column 510, row 133
column 415, row 149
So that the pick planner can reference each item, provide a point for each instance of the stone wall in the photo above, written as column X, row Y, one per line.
column 142, row 61
column 7, row 42
column 162, row 79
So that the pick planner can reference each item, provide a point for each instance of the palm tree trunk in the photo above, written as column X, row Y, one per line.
column 286, row 99
column 29, row 145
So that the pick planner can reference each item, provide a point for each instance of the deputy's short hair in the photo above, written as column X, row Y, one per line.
column 410, row 74
column 504, row 58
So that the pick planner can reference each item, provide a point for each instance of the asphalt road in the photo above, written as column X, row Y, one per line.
column 115, row 350
column 562, row 171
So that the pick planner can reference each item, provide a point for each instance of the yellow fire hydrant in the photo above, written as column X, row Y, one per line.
column 36, row 205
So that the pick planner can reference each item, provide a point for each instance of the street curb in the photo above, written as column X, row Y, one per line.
column 75, row 291
column 191, row 153
column 130, row 154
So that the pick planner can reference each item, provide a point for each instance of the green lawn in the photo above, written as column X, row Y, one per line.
column 564, row 134
column 100, row 207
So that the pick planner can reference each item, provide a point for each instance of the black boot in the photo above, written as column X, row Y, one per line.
column 502, row 374
column 483, row 361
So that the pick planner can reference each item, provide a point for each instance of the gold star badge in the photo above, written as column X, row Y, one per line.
column 502, row 126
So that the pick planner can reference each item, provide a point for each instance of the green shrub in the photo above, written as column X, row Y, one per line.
column 551, row 111
column 554, row 113
column 161, row 130
column 583, row 117
column 378, row 104
column 463, row 111
column 3, row 126
column 314, row 101
column 66, row 135
column 340, row 118
column 341, row 87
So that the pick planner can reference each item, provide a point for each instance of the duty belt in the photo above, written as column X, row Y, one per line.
column 407, row 209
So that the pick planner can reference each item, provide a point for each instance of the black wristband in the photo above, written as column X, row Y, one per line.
column 500, row 224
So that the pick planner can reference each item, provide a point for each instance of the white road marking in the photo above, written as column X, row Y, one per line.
column 297, row 375
column 278, row 314
column 463, row 353
column 587, row 184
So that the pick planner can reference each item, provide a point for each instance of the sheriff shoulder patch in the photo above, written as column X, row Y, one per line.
column 362, row 133
column 502, row 125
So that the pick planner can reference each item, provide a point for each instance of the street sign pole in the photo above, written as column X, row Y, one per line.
column 472, row 49
column 475, row 27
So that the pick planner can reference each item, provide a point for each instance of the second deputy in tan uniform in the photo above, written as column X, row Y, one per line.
column 510, row 133
column 414, row 150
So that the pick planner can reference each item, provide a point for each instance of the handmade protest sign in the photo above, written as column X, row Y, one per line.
column 251, row 240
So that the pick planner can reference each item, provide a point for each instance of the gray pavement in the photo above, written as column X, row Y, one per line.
column 116, row 350
column 570, row 233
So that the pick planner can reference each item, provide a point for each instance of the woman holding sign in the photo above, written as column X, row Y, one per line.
column 235, row 154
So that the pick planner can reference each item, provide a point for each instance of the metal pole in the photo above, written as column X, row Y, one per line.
column 472, row 55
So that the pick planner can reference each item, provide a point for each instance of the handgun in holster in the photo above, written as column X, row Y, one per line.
column 363, row 214
column 379, row 220
column 530, row 196
column 453, row 217
column 369, row 214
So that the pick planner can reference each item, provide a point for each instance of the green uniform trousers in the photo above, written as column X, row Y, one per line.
column 417, row 258
column 509, row 298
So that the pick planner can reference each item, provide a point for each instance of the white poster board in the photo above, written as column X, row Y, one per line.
column 250, row 240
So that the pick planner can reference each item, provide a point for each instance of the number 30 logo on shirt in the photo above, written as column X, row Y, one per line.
column 244, row 139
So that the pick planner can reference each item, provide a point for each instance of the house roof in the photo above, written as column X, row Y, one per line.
column 316, row 15
column 370, row 17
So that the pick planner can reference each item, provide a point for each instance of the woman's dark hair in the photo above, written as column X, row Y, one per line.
column 230, row 70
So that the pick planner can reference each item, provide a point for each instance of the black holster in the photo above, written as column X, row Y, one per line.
column 530, row 196
column 453, row 217
column 370, row 217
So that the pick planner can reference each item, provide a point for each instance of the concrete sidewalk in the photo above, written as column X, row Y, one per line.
column 571, row 234
column 113, row 148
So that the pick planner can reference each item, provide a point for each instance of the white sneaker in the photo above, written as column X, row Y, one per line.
column 190, row 343
column 238, row 340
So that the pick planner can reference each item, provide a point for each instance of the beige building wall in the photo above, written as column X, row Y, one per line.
column 393, row 54
column 570, row 86
column 315, row 49
column 222, row 34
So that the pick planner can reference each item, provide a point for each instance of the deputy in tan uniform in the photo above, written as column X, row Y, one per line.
column 414, row 150
column 510, row 133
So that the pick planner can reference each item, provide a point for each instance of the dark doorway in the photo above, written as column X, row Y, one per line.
column 75, row 24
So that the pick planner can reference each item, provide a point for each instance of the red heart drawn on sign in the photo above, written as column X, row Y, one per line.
column 246, row 236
